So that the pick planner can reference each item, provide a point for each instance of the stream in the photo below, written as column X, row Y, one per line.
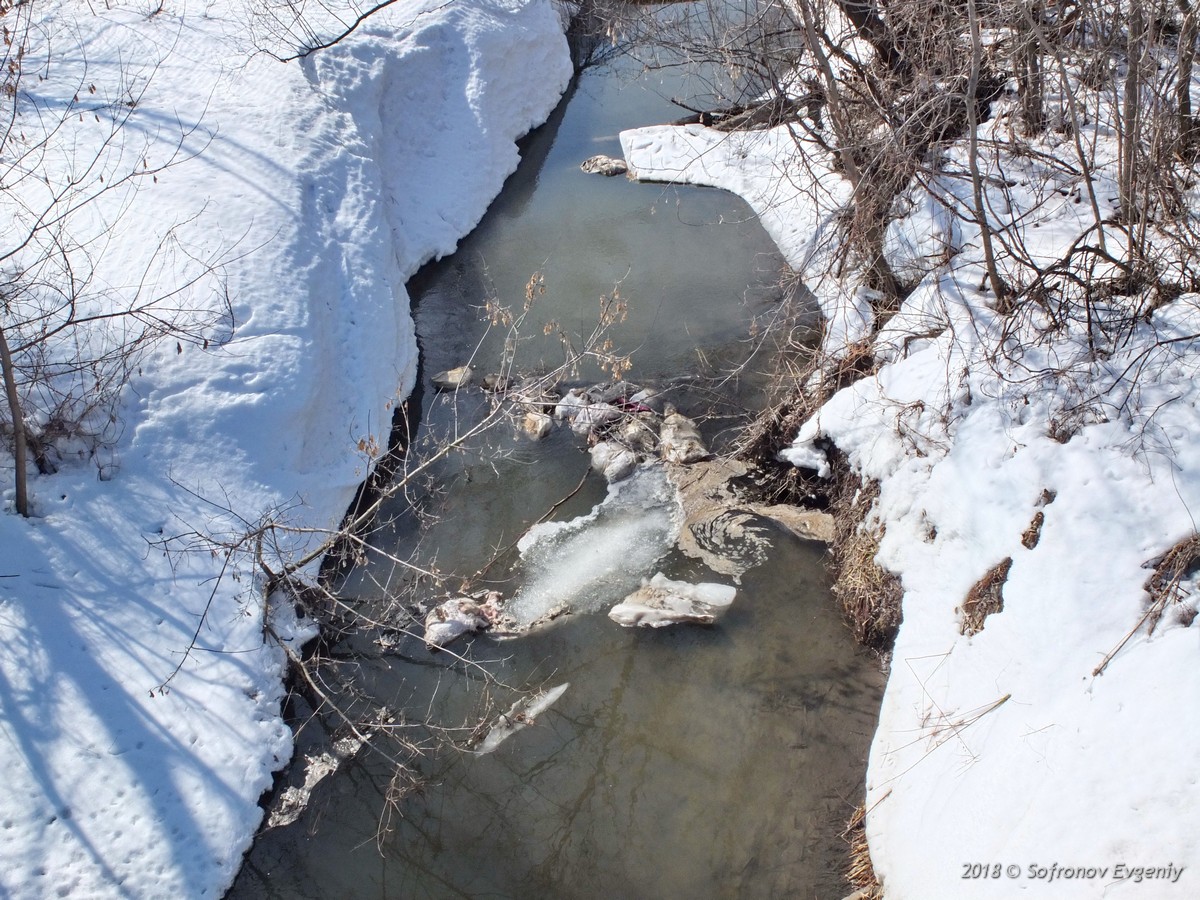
column 680, row 762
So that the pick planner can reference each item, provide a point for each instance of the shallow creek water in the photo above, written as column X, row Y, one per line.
column 697, row 762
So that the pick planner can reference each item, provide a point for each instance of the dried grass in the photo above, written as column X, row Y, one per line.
column 1033, row 534
column 985, row 597
column 1166, row 590
column 861, row 872
column 870, row 595
column 1165, row 586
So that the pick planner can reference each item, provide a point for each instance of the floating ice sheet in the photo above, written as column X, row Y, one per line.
column 594, row 560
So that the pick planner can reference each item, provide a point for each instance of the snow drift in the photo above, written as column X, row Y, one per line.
column 322, row 184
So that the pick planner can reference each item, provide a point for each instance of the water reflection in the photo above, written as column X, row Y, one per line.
column 689, row 763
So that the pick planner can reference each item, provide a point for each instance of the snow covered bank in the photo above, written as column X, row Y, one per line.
column 321, row 186
column 1003, row 766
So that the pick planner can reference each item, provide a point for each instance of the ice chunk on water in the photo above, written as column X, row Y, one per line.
column 594, row 560
column 661, row 601
column 522, row 713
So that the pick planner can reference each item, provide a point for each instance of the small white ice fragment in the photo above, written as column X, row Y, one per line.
column 661, row 601
column 522, row 713
column 452, row 619
column 613, row 461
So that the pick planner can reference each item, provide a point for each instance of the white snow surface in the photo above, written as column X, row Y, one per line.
column 322, row 185
column 1002, row 749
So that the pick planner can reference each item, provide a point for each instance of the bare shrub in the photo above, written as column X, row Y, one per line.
column 72, row 335
column 293, row 571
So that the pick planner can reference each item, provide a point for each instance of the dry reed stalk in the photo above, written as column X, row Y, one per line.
column 1165, row 588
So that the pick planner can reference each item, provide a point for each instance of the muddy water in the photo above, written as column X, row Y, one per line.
column 689, row 763
column 682, row 764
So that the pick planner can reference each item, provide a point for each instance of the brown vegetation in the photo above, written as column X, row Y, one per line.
column 861, row 872
column 985, row 597
column 1166, row 589
column 1165, row 586
column 870, row 595
column 1033, row 534
column 822, row 378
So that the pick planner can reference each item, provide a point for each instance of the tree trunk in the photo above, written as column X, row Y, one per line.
column 1183, row 85
column 999, row 289
column 1131, row 117
column 18, row 424
column 1029, row 67
column 841, row 125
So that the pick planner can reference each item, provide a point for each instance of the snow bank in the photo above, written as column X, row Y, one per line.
column 1002, row 766
column 1002, row 747
column 321, row 185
